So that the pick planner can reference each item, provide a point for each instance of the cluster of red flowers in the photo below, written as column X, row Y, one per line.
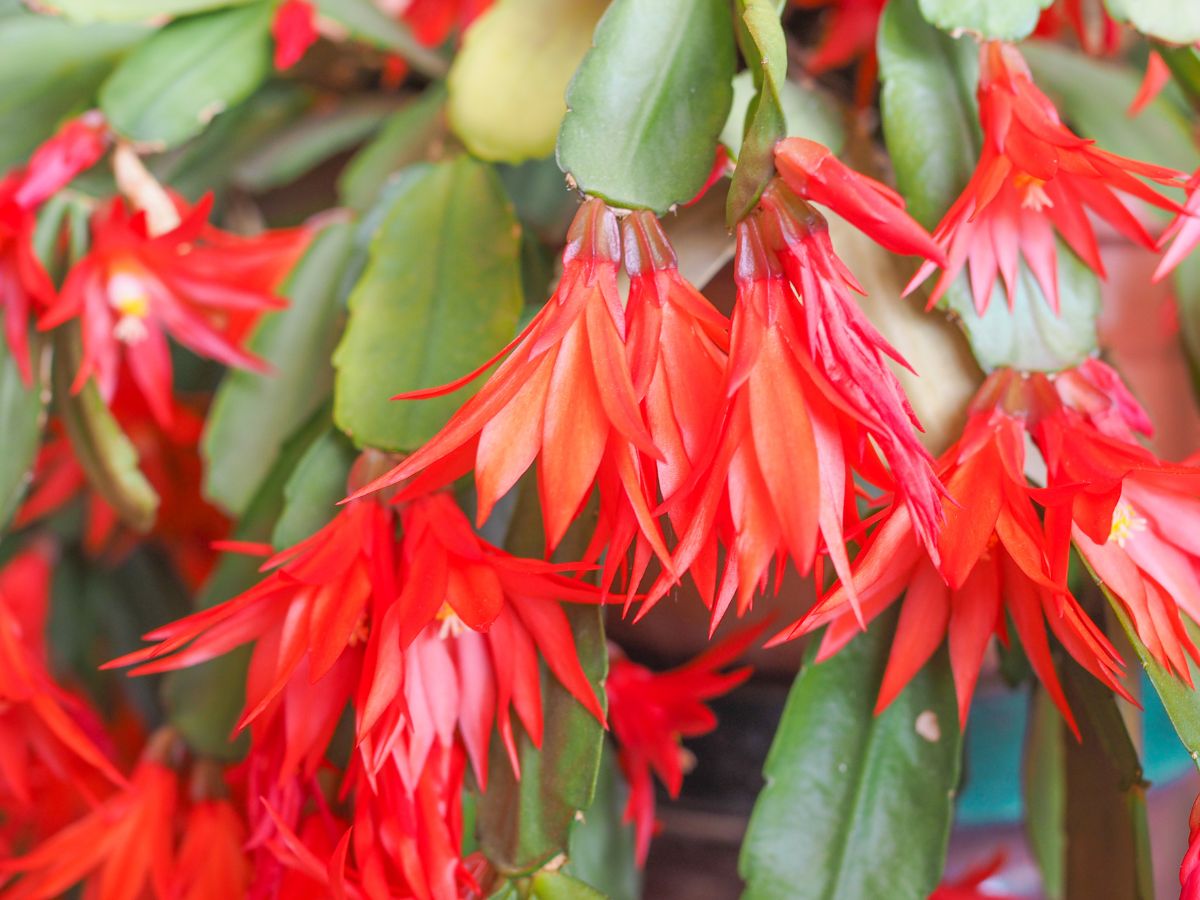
column 718, row 448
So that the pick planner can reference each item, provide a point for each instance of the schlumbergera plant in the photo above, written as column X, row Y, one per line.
column 363, row 360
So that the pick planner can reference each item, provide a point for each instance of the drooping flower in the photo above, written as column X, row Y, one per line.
column 564, row 396
column 211, row 861
column 354, row 614
column 294, row 29
column 1035, row 178
column 120, row 849
column 46, row 733
column 652, row 711
column 996, row 563
column 203, row 286
column 24, row 285
column 186, row 524
column 1183, row 234
column 808, row 395
column 1157, row 77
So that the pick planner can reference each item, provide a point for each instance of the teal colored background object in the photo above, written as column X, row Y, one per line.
column 991, row 790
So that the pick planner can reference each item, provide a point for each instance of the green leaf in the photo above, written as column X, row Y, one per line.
column 1184, row 63
column 559, row 886
column 403, row 140
column 302, row 145
column 314, row 488
column 131, row 10
column 524, row 824
column 1045, row 792
column 509, row 81
column 440, row 295
column 22, row 415
column 101, row 448
column 765, row 49
column 1030, row 336
column 930, row 119
column 1011, row 20
column 601, row 850
column 371, row 25
column 1170, row 20
column 1108, row 853
column 253, row 413
column 1090, row 93
column 808, row 111
column 648, row 102
column 48, row 70
column 1181, row 702
column 170, row 87
column 856, row 805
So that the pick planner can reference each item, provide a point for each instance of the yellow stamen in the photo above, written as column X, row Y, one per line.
column 127, row 294
column 1033, row 192
column 452, row 625
column 1125, row 523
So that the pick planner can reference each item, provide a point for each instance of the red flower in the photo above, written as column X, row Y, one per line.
column 1184, row 233
column 294, row 29
column 24, row 284
column 565, row 395
column 201, row 285
column 808, row 392
column 211, row 861
column 1034, row 178
column 120, row 849
column 651, row 711
column 46, row 734
column 433, row 21
column 1097, row 31
column 350, row 613
column 970, row 885
column 995, row 559
column 847, row 35
column 1189, row 867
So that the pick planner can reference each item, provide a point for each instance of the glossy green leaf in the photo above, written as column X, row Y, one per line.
column 301, row 146
column 1010, row 20
column 808, row 110
column 1181, row 702
column 1089, row 93
column 371, row 25
column 440, row 295
column 314, row 488
column 524, row 824
column 403, row 140
column 204, row 701
column 856, row 805
column 254, row 413
column 131, row 10
column 765, row 49
column 601, row 851
column 170, row 87
column 649, row 101
column 560, row 886
column 1170, row 20
column 48, row 70
column 1030, row 336
column 509, row 81
column 930, row 119
column 208, row 161
column 1108, row 852
column 22, row 415
column 1045, row 792
column 101, row 448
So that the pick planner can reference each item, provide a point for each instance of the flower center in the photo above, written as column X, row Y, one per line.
column 1125, row 524
column 127, row 294
column 1033, row 192
column 451, row 625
